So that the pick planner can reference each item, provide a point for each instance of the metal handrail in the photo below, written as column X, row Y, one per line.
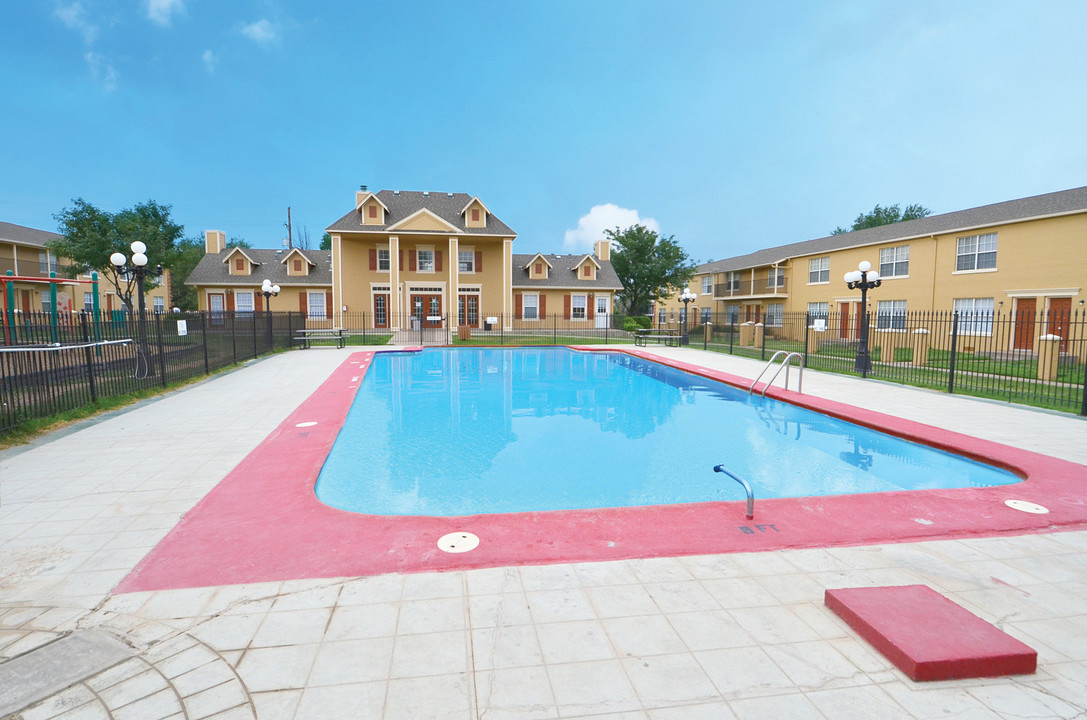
column 747, row 489
column 786, row 363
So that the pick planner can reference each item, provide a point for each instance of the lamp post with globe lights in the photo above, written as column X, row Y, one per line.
column 864, row 278
column 139, row 269
column 686, row 298
column 268, row 290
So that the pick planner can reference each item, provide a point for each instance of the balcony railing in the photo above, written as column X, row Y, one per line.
column 746, row 287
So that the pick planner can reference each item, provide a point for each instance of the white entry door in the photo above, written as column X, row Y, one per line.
column 602, row 311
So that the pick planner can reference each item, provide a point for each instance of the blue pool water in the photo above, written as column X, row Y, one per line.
column 493, row 430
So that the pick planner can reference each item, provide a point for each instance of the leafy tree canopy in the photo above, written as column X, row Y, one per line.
column 238, row 242
column 884, row 216
column 91, row 235
column 326, row 242
column 188, row 252
column 649, row 266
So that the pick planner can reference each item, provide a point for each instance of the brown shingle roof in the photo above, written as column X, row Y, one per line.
column 211, row 270
column 563, row 275
column 11, row 232
column 404, row 203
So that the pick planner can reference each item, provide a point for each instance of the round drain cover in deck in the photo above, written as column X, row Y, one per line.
column 1026, row 506
column 458, row 542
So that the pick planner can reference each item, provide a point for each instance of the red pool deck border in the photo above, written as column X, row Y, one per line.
column 929, row 637
column 263, row 522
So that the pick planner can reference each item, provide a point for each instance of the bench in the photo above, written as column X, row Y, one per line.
column 670, row 337
column 304, row 338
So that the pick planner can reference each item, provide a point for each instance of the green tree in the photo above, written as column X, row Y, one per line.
column 238, row 242
column 649, row 266
column 326, row 242
column 884, row 216
column 187, row 253
column 91, row 235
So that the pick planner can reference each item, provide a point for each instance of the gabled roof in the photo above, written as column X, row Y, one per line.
column 10, row 232
column 421, row 213
column 402, row 204
column 366, row 197
column 229, row 252
column 590, row 258
column 532, row 259
column 1065, row 202
column 211, row 270
column 475, row 199
column 564, row 273
column 294, row 251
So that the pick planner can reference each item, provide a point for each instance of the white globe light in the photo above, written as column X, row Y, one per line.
column 864, row 266
column 117, row 259
column 139, row 259
column 873, row 276
column 266, row 285
column 275, row 289
column 138, row 247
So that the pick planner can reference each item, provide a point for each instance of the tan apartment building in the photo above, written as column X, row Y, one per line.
column 23, row 253
column 1026, row 256
column 408, row 257
column 230, row 279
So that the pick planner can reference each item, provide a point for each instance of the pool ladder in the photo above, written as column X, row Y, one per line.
column 786, row 363
column 747, row 489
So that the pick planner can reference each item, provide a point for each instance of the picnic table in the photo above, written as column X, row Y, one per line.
column 669, row 337
column 306, row 337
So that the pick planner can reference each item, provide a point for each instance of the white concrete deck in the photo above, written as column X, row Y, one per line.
column 727, row 636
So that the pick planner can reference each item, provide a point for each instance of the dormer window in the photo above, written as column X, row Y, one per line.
column 475, row 214
column 373, row 211
column 539, row 268
column 586, row 271
column 239, row 264
column 298, row 266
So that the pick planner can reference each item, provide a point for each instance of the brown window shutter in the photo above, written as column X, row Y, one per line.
column 411, row 260
column 589, row 306
column 401, row 259
column 302, row 303
column 517, row 306
column 437, row 261
column 479, row 261
column 373, row 259
column 257, row 297
column 373, row 211
column 298, row 266
column 566, row 307
column 475, row 214
column 543, row 307
column 230, row 302
column 328, row 304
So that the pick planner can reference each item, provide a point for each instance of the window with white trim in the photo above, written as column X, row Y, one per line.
column 707, row 285
column 894, row 262
column 976, row 252
column 315, row 304
column 88, row 301
column 775, row 278
column 243, row 302
column 891, row 314
column 775, row 315
column 733, row 314
column 466, row 260
column 383, row 259
column 662, row 316
column 734, row 281
column 578, row 303
column 426, row 260
column 706, row 315
column 975, row 315
column 819, row 270
column 818, row 310
column 159, row 304
column 530, row 306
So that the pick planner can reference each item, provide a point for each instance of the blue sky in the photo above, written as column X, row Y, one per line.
column 732, row 126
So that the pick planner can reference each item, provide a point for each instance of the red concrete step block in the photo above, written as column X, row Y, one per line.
column 929, row 637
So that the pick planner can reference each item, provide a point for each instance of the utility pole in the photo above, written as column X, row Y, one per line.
column 290, row 241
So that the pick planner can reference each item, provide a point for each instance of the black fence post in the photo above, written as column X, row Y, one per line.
column 204, row 335
column 954, row 348
column 234, row 337
column 554, row 330
column 162, row 348
column 806, row 331
column 762, row 349
column 88, row 356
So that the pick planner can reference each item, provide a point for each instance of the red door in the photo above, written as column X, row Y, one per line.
column 1060, row 317
column 381, row 311
column 843, row 320
column 427, row 309
column 468, row 310
column 1024, row 323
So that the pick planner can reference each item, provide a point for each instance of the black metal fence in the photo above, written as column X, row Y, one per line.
column 1035, row 359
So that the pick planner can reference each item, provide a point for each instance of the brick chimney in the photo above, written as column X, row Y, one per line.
column 214, row 241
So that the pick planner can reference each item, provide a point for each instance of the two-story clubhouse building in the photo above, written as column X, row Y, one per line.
column 1026, row 256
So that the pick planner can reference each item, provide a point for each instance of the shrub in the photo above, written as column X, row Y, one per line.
column 630, row 324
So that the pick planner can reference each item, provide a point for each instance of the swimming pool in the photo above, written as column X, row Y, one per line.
column 465, row 431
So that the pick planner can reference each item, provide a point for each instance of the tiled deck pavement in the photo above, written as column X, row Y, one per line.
column 741, row 635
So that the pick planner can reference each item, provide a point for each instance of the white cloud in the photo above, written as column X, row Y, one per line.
column 74, row 17
column 262, row 31
column 210, row 61
column 161, row 12
column 591, row 227
column 102, row 70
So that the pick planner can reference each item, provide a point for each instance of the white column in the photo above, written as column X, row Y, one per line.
column 395, row 295
column 454, row 280
column 507, row 282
